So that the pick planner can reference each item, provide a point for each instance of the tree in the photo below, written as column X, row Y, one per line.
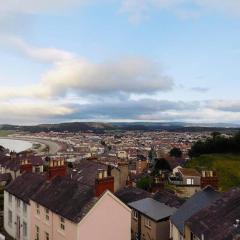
column 145, row 183
column 152, row 155
column 216, row 144
column 70, row 165
column 160, row 164
column 175, row 152
column 215, row 135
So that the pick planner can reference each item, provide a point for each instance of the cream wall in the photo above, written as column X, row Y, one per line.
column 175, row 234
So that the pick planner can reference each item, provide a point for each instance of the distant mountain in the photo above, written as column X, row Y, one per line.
column 99, row 127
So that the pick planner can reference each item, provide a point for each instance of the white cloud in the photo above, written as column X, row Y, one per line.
column 14, row 112
column 71, row 74
column 41, row 54
column 32, row 7
column 140, row 9
column 137, row 9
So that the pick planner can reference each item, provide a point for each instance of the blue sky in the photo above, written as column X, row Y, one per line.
column 119, row 60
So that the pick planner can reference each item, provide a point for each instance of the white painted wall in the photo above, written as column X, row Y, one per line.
column 24, row 217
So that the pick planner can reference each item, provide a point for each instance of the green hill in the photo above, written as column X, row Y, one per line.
column 226, row 165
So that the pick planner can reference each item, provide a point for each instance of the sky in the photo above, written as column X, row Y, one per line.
column 119, row 60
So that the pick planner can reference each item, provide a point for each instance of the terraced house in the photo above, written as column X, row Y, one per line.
column 17, row 195
column 55, row 206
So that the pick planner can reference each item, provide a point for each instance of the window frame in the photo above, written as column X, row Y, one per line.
column 148, row 223
column 37, row 209
column 24, row 229
column 10, row 214
column 62, row 223
column 135, row 214
column 37, row 231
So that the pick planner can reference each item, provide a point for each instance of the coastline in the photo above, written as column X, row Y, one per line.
column 53, row 147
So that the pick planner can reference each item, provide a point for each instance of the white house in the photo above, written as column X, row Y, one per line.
column 16, row 205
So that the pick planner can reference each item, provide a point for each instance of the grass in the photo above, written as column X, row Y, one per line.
column 226, row 165
column 5, row 133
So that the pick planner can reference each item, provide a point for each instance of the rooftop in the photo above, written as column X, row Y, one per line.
column 21, row 188
column 189, row 172
column 198, row 201
column 66, row 197
column 153, row 209
column 216, row 222
column 132, row 194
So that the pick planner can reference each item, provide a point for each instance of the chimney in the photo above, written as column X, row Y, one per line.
column 25, row 166
column 13, row 155
column 103, row 182
column 57, row 167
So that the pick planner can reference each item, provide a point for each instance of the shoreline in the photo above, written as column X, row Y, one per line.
column 54, row 147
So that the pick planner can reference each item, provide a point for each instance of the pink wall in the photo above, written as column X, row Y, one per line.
column 108, row 220
column 55, row 233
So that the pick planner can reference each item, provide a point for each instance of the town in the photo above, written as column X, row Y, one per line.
column 114, row 185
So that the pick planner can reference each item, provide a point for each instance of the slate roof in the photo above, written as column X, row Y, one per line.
column 85, row 172
column 197, row 202
column 5, row 177
column 169, row 198
column 189, row 172
column 132, row 194
column 174, row 161
column 216, row 222
column 66, row 197
column 153, row 209
column 14, row 163
column 24, row 186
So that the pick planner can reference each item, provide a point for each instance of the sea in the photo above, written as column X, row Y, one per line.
column 15, row 145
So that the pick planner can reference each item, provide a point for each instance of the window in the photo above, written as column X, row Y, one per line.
column 24, row 229
column 24, row 207
column 37, row 170
column 135, row 214
column 18, row 203
column 47, row 214
column 190, row 181
column 10, row 198
column 37, row 232
column 9, row 218
column 38, row 209
column 62, row 223
column 46, row 236
column 148, row 223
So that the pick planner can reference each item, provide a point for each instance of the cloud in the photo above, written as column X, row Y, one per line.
column 138, row 10
column 227, row 106
column 17, row 113
column 128, row 109
column 50, row 55
column 200, row 89
column 154, row 110
column 72, row 74
column 33, row 7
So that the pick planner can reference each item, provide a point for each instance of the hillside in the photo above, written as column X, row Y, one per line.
column 101, row 127
column 226, row 165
